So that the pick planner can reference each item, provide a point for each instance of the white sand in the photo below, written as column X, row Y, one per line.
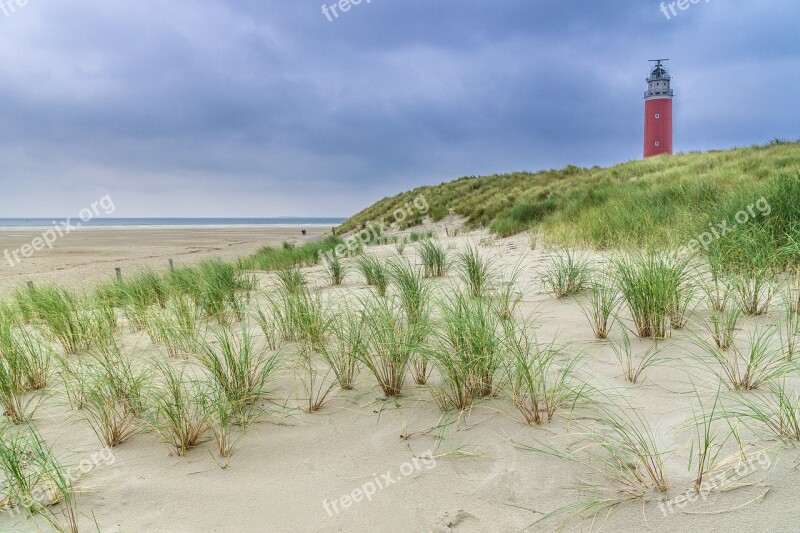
column 290, row 462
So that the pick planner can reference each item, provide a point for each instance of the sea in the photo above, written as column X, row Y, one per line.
column 111, row 222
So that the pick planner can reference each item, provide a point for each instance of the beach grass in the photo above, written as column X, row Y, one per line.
column 347, row 349
column 36, row 482
column 650, row 203
column 434, row 257
column 759, row 363
column 469, row 352
column 178, row 412
column 240, row 369
column 601, row 305
column 390, row 343
column 568, row 273
column 476, row 272
column 541, row 377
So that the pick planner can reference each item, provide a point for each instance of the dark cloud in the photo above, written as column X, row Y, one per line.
column 264, row 108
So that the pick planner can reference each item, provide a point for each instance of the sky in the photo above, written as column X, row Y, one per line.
column 262, row 108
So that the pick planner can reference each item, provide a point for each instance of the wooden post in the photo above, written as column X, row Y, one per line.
column 119, row 273
column 171, row 266
column 446, row 231
column 30, row 285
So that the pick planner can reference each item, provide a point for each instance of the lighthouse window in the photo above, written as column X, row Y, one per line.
column 658, row 115
column 658, row 143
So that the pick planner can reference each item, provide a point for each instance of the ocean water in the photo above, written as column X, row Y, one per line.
column 104, row 221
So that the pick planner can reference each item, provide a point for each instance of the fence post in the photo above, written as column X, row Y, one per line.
column 119, row 273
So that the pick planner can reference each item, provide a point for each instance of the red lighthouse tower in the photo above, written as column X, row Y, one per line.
column 658, row 111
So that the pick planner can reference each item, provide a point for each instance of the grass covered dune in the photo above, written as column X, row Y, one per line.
column 659, row 202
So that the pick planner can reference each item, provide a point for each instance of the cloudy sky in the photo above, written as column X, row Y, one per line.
column 266, row 108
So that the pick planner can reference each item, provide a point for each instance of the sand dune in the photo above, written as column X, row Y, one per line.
column 291, row 465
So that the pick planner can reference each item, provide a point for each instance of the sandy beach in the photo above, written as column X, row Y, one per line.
column 91, row 254
column 439, row 472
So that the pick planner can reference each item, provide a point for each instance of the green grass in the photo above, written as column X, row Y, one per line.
column 240, row 369
column 143, row 289
column 390, row 343
column 112, row 391
column 790, row 329
column 292, row 280
column 657, row 202
column 122, row 374
column 36, row 482
column 213, row 286
column 507, row 296
column 375, row 273
column 288, row 256
column 268, row 320
column 754, row 290
column 622, row 456
column 300, row 317
column 220, row 419
column 317, row 384
column 345, row 353
column 470, row 351
column 707, row 443
column 179, row 412
column 110, row 419
column 335, row 269
column 25, row 366
column 416, row 300
column 66, row 318
column 602, row 304
column 179, row 327
column 654, row 287
column 415, row 295
column 723, row 324
column 567, row 273
column 434, row 258
column 476, row 272
column 777, row 411
column 759, row 364
column 633, row 367
column 541, row 377
column 216, row 287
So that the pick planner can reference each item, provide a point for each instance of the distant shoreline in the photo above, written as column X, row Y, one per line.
column 89, row 255
column 168, row 223
column 179, row 226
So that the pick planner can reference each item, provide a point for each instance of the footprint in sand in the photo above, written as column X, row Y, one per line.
column 451, row 520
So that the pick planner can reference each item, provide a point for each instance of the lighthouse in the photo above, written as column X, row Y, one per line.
column 658, row 111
